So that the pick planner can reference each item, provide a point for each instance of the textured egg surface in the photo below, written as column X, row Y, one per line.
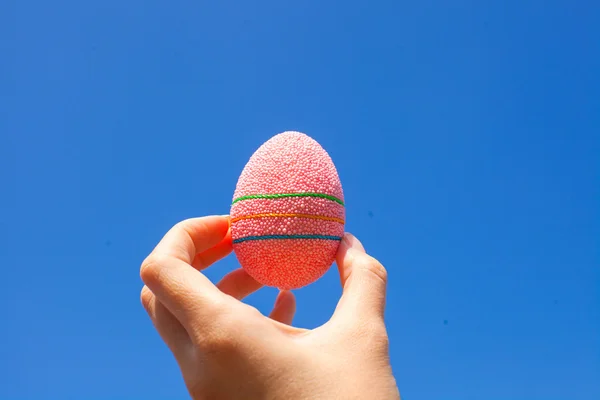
column 287, row 215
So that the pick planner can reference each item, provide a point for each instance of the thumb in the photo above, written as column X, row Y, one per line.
column 363, row 279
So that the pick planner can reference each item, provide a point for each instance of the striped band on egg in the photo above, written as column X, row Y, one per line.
column 267, row 237
column 284, row 195
column 288, row 215
column 267, row 215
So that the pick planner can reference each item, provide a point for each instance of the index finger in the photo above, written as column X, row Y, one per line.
column 192, row 236
column 168, row 270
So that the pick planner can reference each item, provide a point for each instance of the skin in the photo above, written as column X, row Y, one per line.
column 227, row 349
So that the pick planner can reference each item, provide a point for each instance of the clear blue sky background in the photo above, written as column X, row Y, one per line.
column 466, row 135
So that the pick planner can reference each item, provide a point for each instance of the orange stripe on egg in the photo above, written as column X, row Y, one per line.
column 275, row 215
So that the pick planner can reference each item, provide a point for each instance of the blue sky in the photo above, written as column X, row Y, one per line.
column 465, row 134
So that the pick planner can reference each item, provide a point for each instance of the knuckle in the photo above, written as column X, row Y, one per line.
column 151, row 267
column 146, row 297
column 184, row 225
column 192, row 226
column 220, row 344
column 253, row 312
column 375, row 268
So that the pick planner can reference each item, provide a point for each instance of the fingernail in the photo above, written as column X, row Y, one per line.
column 353, row 242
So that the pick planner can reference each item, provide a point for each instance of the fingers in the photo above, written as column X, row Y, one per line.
column 167, row 326
column 193, row 236
column 206, row 258
column 168, row 273
column 285, row 307
column 238, row 284
column 363, row 279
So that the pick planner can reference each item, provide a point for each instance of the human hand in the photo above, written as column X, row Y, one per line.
column 227, row 349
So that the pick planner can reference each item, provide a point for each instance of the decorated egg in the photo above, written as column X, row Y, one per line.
column 288, row 215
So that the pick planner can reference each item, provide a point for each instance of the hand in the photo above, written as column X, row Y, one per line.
column 227, row 349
